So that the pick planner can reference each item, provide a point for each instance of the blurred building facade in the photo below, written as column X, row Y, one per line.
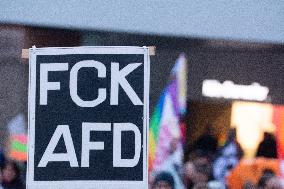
column 238, row 42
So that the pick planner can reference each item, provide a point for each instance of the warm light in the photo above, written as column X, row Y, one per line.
column 251, row 120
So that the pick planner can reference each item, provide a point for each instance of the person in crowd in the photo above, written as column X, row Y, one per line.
column 189, row 174
column 214, row 184
column 163, row 180
column 202, row 172
column 2, row 158
column 1, row 179
column 202, row 185
column 207, row 142
column 229, row 156
column 174, row 163
column 267, row 147
column 198, row 155
column 251, row 171
column 269, row 181
column 11, row 176
column 197, row 172
column 150, row 180
column 249, row 185
column 273, row 183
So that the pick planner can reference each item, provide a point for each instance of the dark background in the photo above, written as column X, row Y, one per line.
column 61, row 110
column 243, row 67
column 243, row 62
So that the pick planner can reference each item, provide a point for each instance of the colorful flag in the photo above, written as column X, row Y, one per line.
column 18, row 149
column 166, row 128
column 18, row 138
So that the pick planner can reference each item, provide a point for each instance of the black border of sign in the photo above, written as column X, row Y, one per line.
column 33, row 52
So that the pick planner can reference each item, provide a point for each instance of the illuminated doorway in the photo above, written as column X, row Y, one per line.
column 251, row 120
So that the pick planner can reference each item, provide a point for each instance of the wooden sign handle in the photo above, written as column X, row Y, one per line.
column 25, row 52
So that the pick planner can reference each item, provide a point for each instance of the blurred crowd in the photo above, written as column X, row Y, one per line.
column 12, row 176
column 207, row 166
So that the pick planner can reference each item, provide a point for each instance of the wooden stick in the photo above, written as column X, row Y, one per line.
column 25, row 52
column 152, row 50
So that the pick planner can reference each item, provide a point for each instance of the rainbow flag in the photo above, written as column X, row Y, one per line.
column 18, row 149
column 165, row 123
